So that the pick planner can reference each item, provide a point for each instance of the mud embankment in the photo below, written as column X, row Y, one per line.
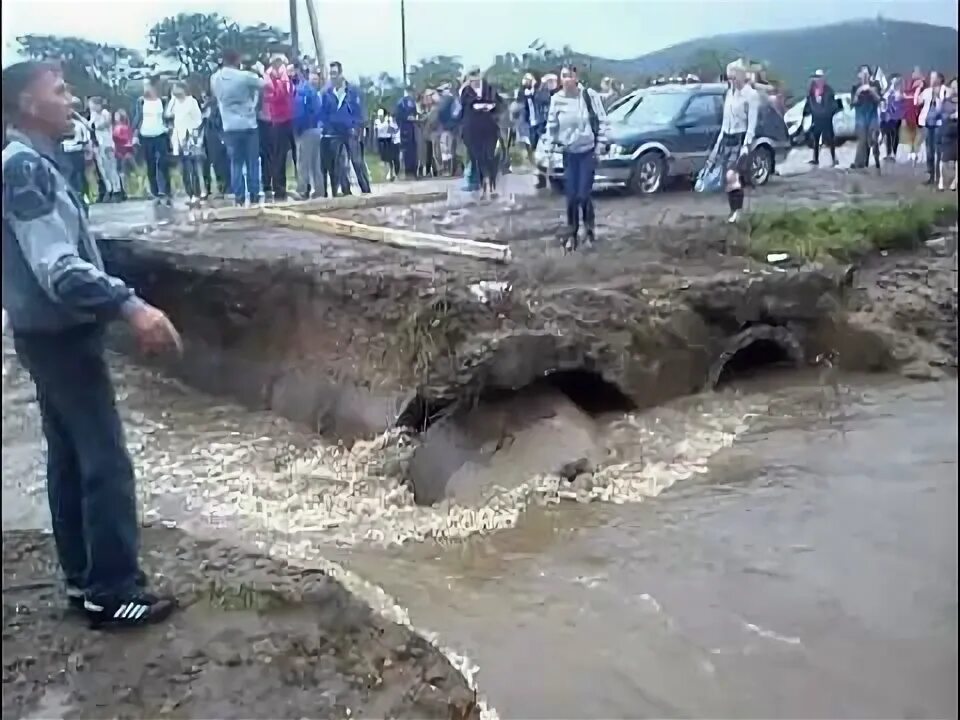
column 351, row 344
column 258, row 638
column 351, row 338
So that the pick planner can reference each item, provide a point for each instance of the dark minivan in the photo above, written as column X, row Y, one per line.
column 668, row 131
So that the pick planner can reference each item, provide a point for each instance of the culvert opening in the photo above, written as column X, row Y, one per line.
column 504, row 437
column 589, row 391
column 760, row 356
column 585, row 389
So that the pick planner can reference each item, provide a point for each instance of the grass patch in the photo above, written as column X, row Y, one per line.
column 241, row 597
column 847, row 233
column 429, row 332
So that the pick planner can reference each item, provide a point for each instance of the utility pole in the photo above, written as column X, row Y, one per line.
column 317, row 43
column 294, row 30
column 403, row 39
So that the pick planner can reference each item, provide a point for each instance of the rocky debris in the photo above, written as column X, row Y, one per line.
column 257, row 638
column 910, row 303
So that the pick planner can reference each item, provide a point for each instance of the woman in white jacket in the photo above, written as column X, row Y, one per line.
column 186, row 140
column 577, row 123
column 741, row 109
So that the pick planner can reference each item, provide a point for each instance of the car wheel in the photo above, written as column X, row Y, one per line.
column 648, row 174
column 556, row 185
column 761, row 166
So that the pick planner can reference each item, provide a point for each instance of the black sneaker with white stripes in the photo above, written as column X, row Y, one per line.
column 75, row 595
column 140, row 609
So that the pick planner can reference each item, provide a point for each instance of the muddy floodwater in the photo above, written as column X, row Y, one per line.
column 810, row 571
column 785, row 548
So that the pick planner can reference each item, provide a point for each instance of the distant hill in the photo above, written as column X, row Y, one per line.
column 794, row 54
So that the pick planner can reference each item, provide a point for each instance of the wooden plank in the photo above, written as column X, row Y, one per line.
column 390, row 236
column 225, row 214
column 349, row 202
column 359, row 202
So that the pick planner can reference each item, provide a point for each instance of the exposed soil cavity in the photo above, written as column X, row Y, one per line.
column 756, row 358
column 591, row 393
column 588, row 390
column 756, row 349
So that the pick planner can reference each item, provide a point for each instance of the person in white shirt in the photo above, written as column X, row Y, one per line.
column 741, row 110
column 930, row 100
column 185, row 140
column 76, row 151
column 386, row 130
column 150, row 132
column 104, row 155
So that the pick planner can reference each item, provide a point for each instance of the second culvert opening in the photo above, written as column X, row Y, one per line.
column 589, row 391
column 754, row 359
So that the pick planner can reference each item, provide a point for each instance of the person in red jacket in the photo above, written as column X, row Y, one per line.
column 278, row 96
column 124, row 149
column 912, row 135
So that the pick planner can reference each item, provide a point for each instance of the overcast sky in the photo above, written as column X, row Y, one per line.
column 365, row 34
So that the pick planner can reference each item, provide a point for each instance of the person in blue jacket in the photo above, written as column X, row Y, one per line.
column 406, row 117
column 306, row 127
column 449, row 113
column 341, row 117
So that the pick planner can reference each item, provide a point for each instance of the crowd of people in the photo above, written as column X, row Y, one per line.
column 919, row 113
column 116, row 146
column 241, row 135
column 257, row 120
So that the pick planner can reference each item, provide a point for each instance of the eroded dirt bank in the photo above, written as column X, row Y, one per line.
column 258, row 638
column 350, row 338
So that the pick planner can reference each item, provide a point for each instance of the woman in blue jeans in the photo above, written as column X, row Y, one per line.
column 151, row 132
column 931, row 101
column 576, row 122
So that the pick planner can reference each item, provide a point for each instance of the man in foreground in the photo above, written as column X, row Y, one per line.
column 59, row 301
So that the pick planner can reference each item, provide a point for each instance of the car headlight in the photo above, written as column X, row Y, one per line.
column 616, row 150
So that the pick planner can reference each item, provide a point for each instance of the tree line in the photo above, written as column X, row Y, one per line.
column 193, row 43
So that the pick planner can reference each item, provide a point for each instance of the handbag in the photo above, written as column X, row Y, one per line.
column 709, row 179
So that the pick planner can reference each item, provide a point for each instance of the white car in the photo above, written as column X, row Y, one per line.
column 844, row 122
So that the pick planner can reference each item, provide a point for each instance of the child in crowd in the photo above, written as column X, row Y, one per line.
column 124, row 150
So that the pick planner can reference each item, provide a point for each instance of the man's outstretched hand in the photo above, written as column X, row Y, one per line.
column 153, row 330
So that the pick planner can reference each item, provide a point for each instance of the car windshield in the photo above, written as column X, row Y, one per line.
column 650, row 108
column 620, row 109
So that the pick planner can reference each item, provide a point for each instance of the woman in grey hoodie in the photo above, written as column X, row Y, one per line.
column 577, row 122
